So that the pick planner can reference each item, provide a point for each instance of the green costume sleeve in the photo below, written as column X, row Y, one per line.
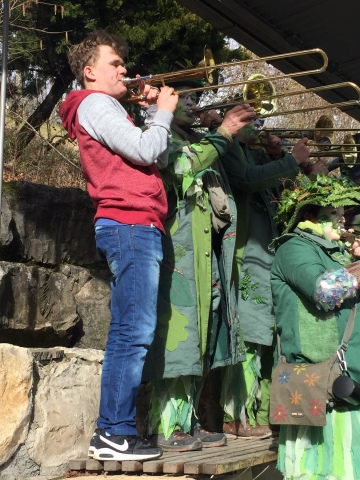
column 186, row 159
column 299, row 264
column 253, row 178
column 212, row 146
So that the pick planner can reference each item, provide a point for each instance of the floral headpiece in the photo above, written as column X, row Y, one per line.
column 323, row 191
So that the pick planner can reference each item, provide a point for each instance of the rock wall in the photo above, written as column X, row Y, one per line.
column 54, row 319
column 51, row 406
column 54, row 288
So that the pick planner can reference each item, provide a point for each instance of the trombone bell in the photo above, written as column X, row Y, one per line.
column 259, row 90
column 210, row 73
column 324, row 136
column 349, row 150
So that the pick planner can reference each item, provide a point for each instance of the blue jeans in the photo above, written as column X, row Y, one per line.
column 133, row 253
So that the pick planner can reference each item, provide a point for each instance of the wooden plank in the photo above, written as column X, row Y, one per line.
column 238, row 454
column 177, row 465
column 131, row 466
column 112, row 466
column 93, row 465
column 194, row 466
column 216, row 468
column 156, row 466
column 243, row 449
column 77, row 463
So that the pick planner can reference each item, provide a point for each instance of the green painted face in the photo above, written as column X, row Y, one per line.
column 249, row 133
column 183, row 114
column 332, row 215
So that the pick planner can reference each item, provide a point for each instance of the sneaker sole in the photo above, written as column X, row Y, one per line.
column 185, row 448
column 108, row 454
column 91, row 452
column 250, row 437
column 222, row 443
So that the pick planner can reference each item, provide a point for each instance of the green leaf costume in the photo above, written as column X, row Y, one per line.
column 310, row 334
column 198, row 326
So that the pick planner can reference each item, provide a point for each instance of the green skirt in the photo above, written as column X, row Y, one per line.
column 322, row 453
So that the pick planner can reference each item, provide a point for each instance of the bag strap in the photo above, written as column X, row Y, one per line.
column 348, row 329
column 278, row 344
column 345, row 340
column 346, row 337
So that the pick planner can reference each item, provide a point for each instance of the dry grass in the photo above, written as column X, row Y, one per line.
column 51, row 158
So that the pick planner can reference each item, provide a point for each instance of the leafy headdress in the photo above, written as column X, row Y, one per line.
column 323, row 190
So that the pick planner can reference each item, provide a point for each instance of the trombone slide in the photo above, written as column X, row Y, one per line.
column 197, row 72
column 133, row 82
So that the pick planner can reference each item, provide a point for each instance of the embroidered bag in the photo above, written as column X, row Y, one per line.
column 301, row 392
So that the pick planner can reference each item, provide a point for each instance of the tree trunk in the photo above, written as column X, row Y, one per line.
column 43, row 111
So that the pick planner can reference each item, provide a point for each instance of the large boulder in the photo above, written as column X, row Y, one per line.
column 16, row 385
column 47, row 225
column 49, row 408
column 43, row 307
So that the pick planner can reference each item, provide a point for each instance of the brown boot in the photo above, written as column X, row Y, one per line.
column 236, row 428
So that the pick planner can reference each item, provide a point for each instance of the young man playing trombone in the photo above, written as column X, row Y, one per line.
column 119, row 164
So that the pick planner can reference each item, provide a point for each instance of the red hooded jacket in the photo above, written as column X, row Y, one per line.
column 119, row 189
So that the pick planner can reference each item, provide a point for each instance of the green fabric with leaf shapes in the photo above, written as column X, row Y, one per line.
column 253, row 180
column 192, row 335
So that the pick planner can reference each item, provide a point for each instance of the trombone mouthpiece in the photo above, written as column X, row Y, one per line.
column 127, row 80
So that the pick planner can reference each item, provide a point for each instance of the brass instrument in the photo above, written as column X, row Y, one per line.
column 227, row 105
column 301, row 132
column 211, row 72
column 324, row 137
column 205, row 70
column 259, row 91
column 261, row 94
column 348, row 153
column 349, row 150
column 332, row 151
column 200, row 71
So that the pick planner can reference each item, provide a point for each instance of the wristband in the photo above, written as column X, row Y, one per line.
column 226, row 135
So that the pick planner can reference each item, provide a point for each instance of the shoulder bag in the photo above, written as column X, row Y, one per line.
column 301, row 393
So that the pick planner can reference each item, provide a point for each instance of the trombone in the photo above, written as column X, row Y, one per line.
column 226, row 105
column 302, row 132
column 198, row 72
column 348, row 152
column 321, row 133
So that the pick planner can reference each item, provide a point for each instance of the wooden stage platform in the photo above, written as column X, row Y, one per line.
column 238, row 454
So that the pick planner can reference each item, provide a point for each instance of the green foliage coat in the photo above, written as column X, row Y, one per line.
column 198, row 326
column 309, row 334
